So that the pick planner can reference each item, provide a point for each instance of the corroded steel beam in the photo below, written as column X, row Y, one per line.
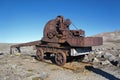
column 85, row 41
column 27, row 44
column 93, row 41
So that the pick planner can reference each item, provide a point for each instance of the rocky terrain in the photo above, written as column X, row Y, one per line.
column 103, row 63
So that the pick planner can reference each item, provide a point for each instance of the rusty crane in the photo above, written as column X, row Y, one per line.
column 60, row 41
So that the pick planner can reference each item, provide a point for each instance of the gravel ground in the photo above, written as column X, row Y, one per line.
column 24, row 66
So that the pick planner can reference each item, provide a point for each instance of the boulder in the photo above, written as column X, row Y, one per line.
column 100, row 54
column 43, row 75
column 118, row 63
column 109, row 56
column 106, row 62
column 96, row 60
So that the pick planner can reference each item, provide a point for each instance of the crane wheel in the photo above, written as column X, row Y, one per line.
column 39, row 54
column 60, row 58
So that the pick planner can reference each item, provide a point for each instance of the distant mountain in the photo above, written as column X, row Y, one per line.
column 110, row 36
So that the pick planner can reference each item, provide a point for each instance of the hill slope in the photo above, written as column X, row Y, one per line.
column 110, row 36
column 110, row 40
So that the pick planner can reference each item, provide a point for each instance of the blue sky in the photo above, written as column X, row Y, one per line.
column 24, row 20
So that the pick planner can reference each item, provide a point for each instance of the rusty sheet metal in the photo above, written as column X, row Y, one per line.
column 76, row 42
column 92, row 41
column 85, row 41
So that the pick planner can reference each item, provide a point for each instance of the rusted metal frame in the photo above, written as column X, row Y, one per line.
column 54, row 50
column 78, row 32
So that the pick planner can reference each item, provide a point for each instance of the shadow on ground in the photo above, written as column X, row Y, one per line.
column 101, row 72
